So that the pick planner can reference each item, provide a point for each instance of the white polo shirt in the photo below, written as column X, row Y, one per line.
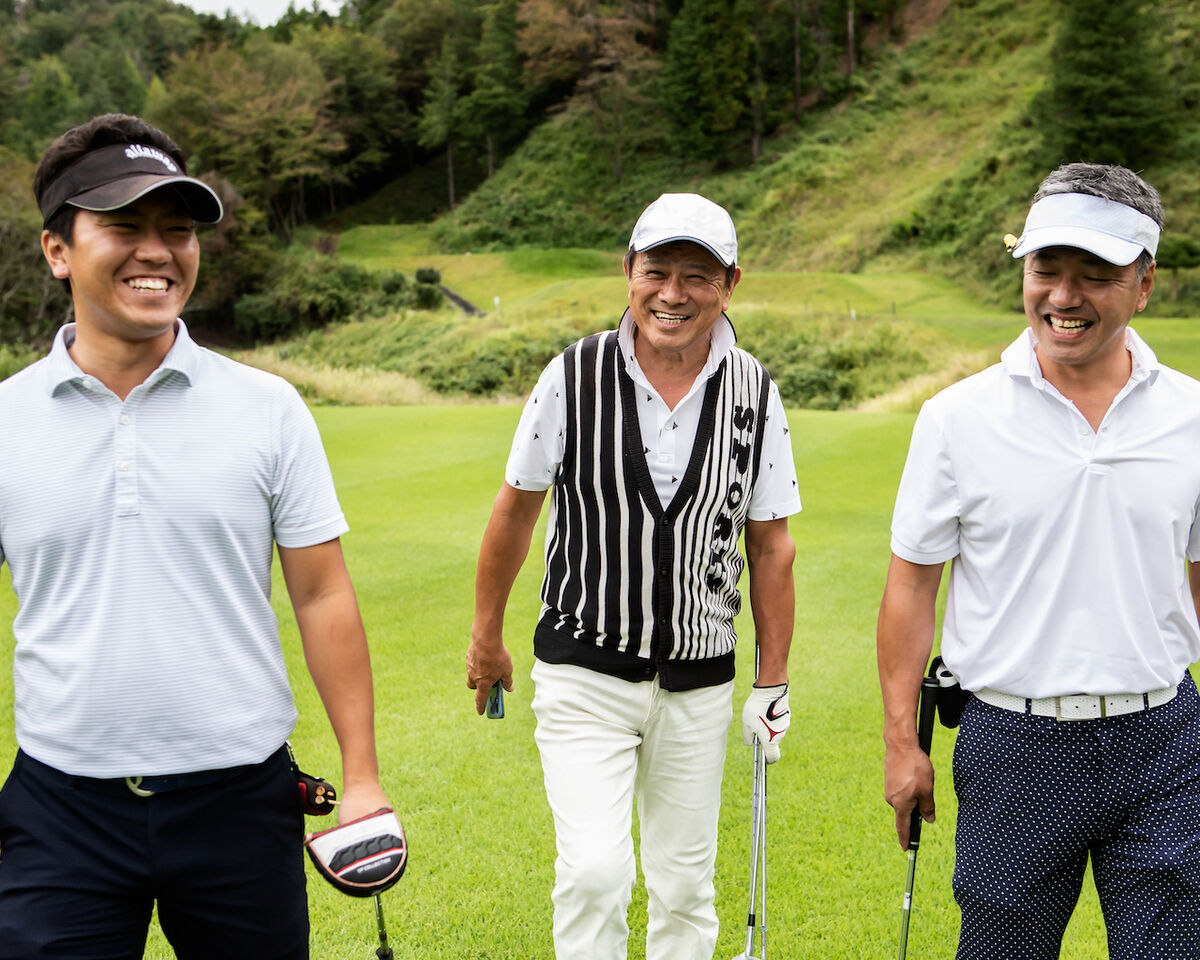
column 667, row 435
column 139, row 535
column 1068, row 544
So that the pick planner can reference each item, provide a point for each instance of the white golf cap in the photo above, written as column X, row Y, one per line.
column 686, row 216
column 1112, row 231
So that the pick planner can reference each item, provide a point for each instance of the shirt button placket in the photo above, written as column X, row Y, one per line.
column 125, row 454
column 1087, row 439
column 666, row 437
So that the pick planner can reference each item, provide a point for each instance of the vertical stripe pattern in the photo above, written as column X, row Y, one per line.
column 623, row 573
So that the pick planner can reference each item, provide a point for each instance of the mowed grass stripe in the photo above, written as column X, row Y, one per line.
column 417, row 485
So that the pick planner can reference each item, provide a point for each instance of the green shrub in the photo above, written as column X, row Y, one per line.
column 307, row 291
column 428, row 296
column 429, row 275
column 507, row 362
column 834, row 364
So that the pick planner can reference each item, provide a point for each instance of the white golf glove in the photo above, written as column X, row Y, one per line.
column 766, row 716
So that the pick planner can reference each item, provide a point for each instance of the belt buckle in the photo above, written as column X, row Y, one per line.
column 1078, row 706
column 135, row 787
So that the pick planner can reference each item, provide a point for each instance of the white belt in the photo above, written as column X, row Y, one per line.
column 1079, row 706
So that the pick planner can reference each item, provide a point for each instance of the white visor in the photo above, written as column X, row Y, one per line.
column 1112, row 231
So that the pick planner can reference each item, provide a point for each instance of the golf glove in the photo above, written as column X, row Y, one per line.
column 766, row 716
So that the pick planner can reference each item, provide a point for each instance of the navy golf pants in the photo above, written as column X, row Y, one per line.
column 83, row 861
column 1037, row 796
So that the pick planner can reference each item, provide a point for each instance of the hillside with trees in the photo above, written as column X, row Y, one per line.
column 846, row 135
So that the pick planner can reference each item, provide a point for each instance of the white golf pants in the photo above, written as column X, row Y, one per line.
column 602, row 740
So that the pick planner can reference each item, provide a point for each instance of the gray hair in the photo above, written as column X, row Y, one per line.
column 1109, row 182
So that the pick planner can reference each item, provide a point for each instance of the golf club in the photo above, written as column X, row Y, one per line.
column 384, row 952
column 363, row 858
column 758, row 859
column 926, row 703
column 758, row 849
column 761, row 770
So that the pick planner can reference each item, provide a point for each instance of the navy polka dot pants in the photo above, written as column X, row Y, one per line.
column 1037, row 796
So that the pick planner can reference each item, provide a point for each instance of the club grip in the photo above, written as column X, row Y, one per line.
column 925, row 713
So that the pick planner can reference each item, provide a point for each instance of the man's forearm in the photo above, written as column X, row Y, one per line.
column 904, row 641
column 502, row 552
column 905, row 638
column 335, row 649
column 770, row 554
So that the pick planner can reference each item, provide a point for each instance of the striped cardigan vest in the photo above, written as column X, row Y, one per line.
column 632, row 589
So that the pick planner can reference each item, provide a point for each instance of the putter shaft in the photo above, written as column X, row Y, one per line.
column 384, row 952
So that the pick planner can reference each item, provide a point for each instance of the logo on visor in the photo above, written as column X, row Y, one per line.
column 136, row 150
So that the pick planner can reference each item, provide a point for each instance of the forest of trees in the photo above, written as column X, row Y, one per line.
column 315, row 111
column 296, row 121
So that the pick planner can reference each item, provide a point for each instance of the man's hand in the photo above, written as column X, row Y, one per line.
column 360, row 799
column 487, row 663
column 908, row 782
column 766, row 717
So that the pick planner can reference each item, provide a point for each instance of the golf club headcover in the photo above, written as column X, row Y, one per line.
column 766, row 717
column 363, row 857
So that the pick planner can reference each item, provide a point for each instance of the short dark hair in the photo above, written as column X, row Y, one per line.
column 730, row 270
column 101, row 131
column 1109, row 182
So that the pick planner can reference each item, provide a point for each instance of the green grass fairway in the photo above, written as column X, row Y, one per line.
column 417, row 485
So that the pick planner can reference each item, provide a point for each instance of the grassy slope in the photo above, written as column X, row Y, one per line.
column 892, row 204
column 833, row 190
column 479, row 277
column 851, row 196
column 927, row 167
column 529, row 279
column 416, row 484
column 827, row 192
column 549, row 297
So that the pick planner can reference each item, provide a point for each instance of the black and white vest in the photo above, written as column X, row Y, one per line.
column 632, row 589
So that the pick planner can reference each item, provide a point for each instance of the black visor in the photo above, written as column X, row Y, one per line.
column 116, row 175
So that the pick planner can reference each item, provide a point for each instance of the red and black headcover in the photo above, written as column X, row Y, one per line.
column 363, row 857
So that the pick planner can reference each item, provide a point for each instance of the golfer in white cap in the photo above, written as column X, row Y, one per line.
column 144, row 484
column 1064, row 483
column 662, row 441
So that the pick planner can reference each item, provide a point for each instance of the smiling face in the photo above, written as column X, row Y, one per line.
column 1078, row 307
column 131, row 270
column 677, row 292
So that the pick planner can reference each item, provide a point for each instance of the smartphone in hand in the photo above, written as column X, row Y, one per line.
column 495, row 702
